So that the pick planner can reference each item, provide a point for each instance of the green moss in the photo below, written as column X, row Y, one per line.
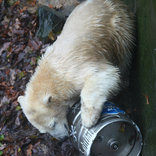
column 1, row 137
column 1, row 152
column 21, row 75
column 18, row 108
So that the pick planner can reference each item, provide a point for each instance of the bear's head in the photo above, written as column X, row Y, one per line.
column 45, row 116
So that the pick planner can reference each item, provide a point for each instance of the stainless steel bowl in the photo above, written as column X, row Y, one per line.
column 114, row 135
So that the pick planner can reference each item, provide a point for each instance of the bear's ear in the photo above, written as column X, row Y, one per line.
column 21, row 100
column 47, row 100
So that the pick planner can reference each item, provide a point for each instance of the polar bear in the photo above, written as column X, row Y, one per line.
column 86, row 61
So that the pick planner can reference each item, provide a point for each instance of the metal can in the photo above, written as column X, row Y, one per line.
column 115, row 134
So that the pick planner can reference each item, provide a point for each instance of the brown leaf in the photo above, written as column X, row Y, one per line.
column 29, row 150
column 50, row 6
column 19, row 48
column 16, row 3
column 33, row 61
column 35, row 45
column 32, row 2
column 24, row 9
column 147, row 99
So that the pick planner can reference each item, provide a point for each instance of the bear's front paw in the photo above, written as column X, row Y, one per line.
column 89, row 117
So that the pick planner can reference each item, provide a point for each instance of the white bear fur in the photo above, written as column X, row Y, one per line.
column 86, row 60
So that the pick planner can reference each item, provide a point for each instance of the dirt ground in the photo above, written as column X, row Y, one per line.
column 20, row 51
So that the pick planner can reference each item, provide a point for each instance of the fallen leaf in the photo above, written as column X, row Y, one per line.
column 29, row 150
column 2, row 146
column 21, row 75
column 1, row 152
column 4, row 47
column 50, row 6
column 33, row 2
column 33, row 61
column 24, row 9
column 1, row 137
column 147, row 99
column 35, row 45
column 5, row 20
column 18, row 108
column 4, row 100
column 16, row 3
column 12, row 76
column 19, row 149
column 17, row 121
column 18, row 31
column 59, row 6
column 17, row 23
column 51, row 36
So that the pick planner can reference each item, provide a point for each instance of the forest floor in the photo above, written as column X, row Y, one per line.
column 20, row 51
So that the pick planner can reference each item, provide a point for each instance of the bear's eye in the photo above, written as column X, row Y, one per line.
column 52, row 125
